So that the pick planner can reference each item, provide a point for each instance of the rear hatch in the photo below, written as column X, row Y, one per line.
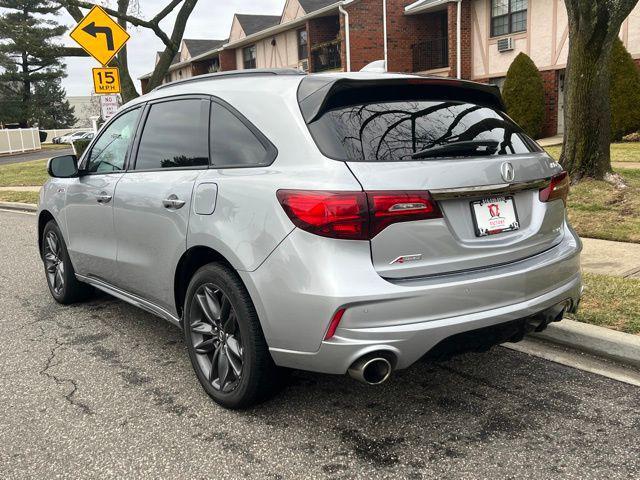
column 453, row 139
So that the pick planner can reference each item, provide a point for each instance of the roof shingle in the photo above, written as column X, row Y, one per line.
column 254, row 23
column 310, row 6
column 198, row 47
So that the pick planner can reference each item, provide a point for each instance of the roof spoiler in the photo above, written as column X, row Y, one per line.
column 318, row 94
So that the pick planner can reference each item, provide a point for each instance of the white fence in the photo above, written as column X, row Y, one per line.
column 51, row 134
column 19, row 140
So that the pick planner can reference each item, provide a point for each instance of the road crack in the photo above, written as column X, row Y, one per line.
column 70, row 396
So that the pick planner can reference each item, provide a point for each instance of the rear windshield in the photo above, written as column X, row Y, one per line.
column 396, row 131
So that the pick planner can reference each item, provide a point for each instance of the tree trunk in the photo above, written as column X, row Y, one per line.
column 587, row 115
column 26, row 91
column 129, row 91
column 593, row 26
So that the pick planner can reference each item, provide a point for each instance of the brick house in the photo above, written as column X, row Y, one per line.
column 470, row 39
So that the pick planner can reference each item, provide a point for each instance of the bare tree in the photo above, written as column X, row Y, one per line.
column 593, row 26
column 127, row 13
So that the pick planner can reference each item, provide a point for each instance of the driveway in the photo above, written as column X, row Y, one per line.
column 104, row 390
column 37, row 155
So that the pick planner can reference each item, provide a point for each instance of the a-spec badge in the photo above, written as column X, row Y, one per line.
column 406, row 259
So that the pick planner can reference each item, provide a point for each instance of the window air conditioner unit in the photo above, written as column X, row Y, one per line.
column 505, row 44
column 303, row 65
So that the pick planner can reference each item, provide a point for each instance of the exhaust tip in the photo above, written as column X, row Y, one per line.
column 371, row 370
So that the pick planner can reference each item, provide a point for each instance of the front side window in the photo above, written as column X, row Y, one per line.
column 508, row 16
column 233, row 144
column 175, row 136
column 413, row 130
column 110, row 150
column 303, row 45
column 249, row 55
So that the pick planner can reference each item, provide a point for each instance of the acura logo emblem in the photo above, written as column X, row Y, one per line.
column 508, row 172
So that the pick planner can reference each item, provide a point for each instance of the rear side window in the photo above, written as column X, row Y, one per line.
column 397, row 131
column 234, row 143
column 175, row 136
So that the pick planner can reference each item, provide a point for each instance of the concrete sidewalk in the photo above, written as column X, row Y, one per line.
column 20, row 189
column 611, row 258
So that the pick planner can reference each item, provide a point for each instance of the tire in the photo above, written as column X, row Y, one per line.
column 61, row 277
column 226, row 345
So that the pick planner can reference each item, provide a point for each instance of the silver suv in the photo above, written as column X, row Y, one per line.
column 334, row 223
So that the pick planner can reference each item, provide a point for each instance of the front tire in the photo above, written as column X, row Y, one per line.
column 61, row 277
column 225, row 342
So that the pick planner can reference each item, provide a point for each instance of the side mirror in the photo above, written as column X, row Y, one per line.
column 65, row 166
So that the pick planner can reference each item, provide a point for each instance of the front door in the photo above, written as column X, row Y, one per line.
column 90, row 198
column 153, row 199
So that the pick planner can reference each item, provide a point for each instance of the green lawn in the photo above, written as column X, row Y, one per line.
column 20, row 197
column 24, row 174
column 620, row 152
column 611, row 302
column 599, row 210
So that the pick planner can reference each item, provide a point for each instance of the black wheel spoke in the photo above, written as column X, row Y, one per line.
column 214, row 364
column 235, row 362
column 54, row 265
column 202, row 328
column 223, row 369
column 214, row 332
column 206, row 346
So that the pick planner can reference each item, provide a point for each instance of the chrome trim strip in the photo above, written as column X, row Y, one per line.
column 482, row 190
column 130, row 298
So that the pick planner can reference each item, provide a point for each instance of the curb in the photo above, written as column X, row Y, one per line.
column 20, row 207
column 602, row 342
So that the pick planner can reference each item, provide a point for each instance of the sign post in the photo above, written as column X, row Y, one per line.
column 102, row 38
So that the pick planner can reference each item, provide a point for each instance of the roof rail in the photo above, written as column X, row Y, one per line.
column 233, row 73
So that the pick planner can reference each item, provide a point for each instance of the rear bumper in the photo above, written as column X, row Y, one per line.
column 302, row 284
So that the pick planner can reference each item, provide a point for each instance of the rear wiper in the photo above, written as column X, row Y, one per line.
column 470, row 147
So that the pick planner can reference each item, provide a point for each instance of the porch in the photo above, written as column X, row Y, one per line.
column 430, row 53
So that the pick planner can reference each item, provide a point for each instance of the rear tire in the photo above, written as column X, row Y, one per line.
column 61, row 277
column 226, row 345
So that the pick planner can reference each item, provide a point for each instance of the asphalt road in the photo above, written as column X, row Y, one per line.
column 103, row 390
column 37, row 155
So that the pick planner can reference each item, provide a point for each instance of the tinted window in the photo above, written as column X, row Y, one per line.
column 110, row 150
column 233, row 144
column 175, row 135
column 394, row 131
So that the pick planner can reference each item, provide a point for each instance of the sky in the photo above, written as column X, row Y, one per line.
column 211, row 19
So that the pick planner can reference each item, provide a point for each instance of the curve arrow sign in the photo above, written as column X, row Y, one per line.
column 93, row 30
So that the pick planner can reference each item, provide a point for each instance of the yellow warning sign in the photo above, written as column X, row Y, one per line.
column 100, row 35
column 106, row 80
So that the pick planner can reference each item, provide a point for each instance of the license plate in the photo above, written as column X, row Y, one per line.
column 494, row 215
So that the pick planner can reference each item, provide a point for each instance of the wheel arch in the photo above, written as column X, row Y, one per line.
column 191, row 261
column 45, row 217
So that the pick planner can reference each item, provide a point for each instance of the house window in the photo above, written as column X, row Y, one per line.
column 249, row 55
column 303, row 44
column 508, row 16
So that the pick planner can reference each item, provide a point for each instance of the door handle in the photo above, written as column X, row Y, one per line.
column 173, row 203
column 103, row 197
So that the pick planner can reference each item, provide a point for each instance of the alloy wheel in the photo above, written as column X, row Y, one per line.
column 54, row 264
column 216, row 339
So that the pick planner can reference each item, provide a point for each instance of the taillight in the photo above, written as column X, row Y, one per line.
column 558, row 189
column 355, row 215
column 328, row 214
column 393, row 207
